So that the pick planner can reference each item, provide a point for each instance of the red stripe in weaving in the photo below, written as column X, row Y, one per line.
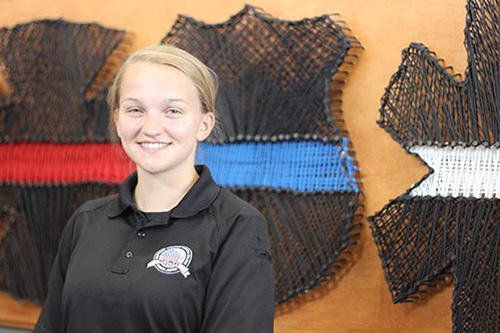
column 42, row 163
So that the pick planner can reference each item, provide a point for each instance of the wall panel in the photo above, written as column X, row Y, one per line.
column 359, row 300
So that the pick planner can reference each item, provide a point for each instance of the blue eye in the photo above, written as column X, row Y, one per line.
column 133, row 110
column 174, row 111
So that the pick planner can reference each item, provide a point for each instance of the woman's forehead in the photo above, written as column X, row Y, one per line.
column 143, row 79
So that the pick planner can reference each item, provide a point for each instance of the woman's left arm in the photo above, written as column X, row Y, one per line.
column 240, row 294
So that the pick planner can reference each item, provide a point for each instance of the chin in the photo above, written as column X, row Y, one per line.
column 155, row 171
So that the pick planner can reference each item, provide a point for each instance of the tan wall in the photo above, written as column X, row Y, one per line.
column 359, row 301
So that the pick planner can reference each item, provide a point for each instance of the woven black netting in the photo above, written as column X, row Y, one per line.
column 448, row 220
column 53, row 79
column 307, row 232
column 32, row 218
column 55, row 73
column 476, row 270
column 274, row 75
column 415, row 237
column 278, row 84
column 424, row 103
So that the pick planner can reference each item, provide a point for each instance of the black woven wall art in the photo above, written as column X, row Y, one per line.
column 304, row 184
column 283, row 147
column 56, row 70
column 449, row 219
column 53, row 132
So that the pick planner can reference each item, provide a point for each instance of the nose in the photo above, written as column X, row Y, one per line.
column 152, row 126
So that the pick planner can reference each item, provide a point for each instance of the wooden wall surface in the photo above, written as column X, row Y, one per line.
column 359, row 301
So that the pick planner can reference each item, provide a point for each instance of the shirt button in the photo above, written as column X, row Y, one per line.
column 128, row 255
column 141, row 234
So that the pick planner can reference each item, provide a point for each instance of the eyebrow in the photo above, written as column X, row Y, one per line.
column 136, row 100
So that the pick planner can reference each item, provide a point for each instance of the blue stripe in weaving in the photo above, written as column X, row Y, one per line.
column 305, row 166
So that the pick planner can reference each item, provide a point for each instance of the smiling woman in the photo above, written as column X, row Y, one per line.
column 210, row 249
column 159, row 122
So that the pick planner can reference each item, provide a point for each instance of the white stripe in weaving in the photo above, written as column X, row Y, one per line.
column 460, row 172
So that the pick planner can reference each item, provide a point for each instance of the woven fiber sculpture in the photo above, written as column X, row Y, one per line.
column 53, row 116
column 449, row 219
column 282, row 147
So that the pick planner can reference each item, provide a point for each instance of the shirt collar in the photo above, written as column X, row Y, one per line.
column 199, row 197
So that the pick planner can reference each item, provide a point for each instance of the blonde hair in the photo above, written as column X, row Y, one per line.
column 204, row 79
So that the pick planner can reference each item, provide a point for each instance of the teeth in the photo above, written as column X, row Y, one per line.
column 154, row 145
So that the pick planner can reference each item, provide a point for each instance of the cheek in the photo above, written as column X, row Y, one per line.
column 128, row 130
column 183, row 129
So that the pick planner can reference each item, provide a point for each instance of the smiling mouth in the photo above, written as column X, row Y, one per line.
column 154, row 145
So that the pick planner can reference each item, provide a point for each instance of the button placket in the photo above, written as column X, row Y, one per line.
column 125, row 261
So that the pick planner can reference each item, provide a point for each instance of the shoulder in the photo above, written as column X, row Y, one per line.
column 229, row 206
column 92, row 210
column 77, row 221
column 237, row 218
column 96, row 205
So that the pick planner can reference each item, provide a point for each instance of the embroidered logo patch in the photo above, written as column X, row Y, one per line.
column 172, row 259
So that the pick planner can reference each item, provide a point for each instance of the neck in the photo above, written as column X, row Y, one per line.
column 161, row 193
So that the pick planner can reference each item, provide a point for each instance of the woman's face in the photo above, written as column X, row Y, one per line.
column 159, row 120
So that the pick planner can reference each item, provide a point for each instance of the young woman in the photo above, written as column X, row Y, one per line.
column 172, row 252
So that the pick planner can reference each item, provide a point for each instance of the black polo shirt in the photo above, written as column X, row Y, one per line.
column 204, row 267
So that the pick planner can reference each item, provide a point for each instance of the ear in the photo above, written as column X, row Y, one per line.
column 206, row 126
column 115, row 120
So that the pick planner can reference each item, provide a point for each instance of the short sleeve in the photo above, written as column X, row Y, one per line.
column 240, row 295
